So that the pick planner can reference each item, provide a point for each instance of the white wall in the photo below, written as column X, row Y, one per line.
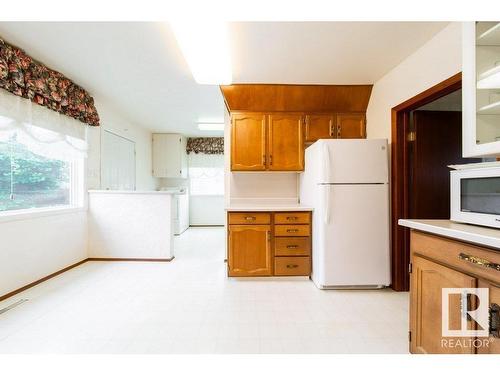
column 33, row 248
column 437, row 60
column 112, row 121
column 130, row 225
column 206, row 210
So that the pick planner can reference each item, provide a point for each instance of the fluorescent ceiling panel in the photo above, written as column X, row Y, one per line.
column 205, row 46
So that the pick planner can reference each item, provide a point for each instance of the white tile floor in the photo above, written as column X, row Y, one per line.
column 190, row 306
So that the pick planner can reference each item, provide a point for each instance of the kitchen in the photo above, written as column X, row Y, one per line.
column 269, row 225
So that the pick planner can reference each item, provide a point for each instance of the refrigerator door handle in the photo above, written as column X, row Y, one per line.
column 326, row 172
column 327, row 204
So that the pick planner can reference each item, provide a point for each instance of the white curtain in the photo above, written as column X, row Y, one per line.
column 44, row 131
column 206, row 174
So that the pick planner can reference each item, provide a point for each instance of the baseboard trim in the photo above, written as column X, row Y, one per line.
column 30, row 285
column 130, row 259
column 34, row 283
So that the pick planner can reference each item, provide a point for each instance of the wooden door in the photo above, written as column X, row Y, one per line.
column 351, row 125
column 248, row 142
column 435, row 142
column 286, row 142
column 320, row 127
column 250, row 250
column 493, row 346
column 427, row 281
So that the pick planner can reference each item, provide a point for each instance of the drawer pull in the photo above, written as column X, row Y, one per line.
column 479, row 261
column 292, row 230
column 250, row 218
column 495, row 320
column 292, row 265
column 292, row 246
column 291, row 218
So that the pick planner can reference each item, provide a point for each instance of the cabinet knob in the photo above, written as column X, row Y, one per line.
column 291, row 218
column 292, row 230
column 292, row 265
column 250, row 218
column 292, row 247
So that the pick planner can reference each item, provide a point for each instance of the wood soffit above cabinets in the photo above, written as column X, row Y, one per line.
column 307, row 98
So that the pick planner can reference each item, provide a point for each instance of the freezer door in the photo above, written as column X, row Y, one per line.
column 355, row 236
column 355, row 161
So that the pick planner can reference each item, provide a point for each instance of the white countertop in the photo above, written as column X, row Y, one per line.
column 464, row 232
column 279, row 207
column 131, row 192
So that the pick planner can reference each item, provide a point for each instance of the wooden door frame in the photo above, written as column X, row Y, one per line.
column 400, row 119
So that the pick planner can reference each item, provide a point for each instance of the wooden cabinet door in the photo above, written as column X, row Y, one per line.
column 493, row 346
column 320, row 127
column 286, row 142
column 250, row 250
column 351, row 125
column 427, row 281
column 248, row 142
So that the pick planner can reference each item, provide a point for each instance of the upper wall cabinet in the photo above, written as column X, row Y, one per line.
column 320, row 126
column 285, row 142
column 351, row 125
column 169, row 156
column 248, row 142
column 342, row 125
column 263, row 142
column 481, row 88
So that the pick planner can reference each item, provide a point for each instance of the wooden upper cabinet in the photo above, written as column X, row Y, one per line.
column 320, row 127
column 427, row 281
column 285, row 142
column 351, row 125
column 250, row 252
column 248, row 142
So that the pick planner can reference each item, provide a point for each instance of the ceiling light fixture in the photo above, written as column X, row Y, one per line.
column 211, row 126
column 205, row 46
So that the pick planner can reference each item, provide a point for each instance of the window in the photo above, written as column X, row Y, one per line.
column 35, row 176
column 206, row 174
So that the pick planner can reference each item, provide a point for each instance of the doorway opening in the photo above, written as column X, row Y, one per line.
column 426, row 138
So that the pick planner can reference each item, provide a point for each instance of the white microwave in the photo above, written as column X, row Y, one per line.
column 475, row 195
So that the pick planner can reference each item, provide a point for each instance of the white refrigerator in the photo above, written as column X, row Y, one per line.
column 346, row 182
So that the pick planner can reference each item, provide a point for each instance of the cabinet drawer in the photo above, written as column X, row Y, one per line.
column 292, row 246
column 292, row 266
column 458, row 255
column 249, row 218
column 292, row 230
column 292, row 218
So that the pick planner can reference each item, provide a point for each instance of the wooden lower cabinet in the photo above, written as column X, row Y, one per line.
column 438, row 263
column 428, row 280
column 292, row 266
column 494, row 306
column 258, row 246
column 250, row 251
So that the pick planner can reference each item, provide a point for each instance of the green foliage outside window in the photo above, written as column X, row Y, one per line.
column 29, row 180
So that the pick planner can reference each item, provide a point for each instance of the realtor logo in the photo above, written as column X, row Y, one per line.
column 477, row 315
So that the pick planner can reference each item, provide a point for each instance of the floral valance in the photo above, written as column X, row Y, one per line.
column 207, row 145
column 23, row 76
